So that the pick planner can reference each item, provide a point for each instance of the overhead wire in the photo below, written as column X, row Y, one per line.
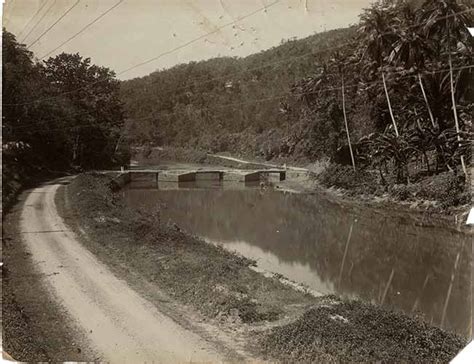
column 147, row 61
column 327, row 74
column 250, row 14
column 31, row 19
column 284, row 60
column 54, row 24
column 357, row 84
column 274, row 97
column 217, row 29
column 265, row 65
column 241, row 103
column 255, row 68
column 39, row 21
column 83, row 29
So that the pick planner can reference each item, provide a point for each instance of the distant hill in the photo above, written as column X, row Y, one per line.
column 190, row 104
column 387, row 84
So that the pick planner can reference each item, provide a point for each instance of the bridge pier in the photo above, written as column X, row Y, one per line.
column 209, row 175
column 176, row 176
column 206, row 175
column 242, row 176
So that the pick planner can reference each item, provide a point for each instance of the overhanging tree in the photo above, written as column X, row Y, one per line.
column 90, row 93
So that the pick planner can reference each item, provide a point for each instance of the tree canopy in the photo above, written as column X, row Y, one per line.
column 396, row 64
column 58, row 114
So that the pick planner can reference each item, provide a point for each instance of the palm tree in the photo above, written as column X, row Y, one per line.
column 456, row 121
column 347, row 126
column 411, row 49
column 400, row 149
column 446, row 21
column 376, row 29
column 421, row 38
column 342, row 61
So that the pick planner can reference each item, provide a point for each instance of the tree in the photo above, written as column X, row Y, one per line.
column 414, row 40
column 447, row 22
column 347, row 126
column 20, row 82
column 376, row 29
column 410, row 48
column 90, row 93
column 61, row 113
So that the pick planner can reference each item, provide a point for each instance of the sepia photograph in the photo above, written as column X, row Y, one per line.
column 237, row 181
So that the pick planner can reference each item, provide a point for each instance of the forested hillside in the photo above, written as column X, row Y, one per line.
column 192, row 104
column 392, row 95
column 396, row 88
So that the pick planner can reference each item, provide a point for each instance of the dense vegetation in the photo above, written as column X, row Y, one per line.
column 59, row 114
column 392, row 97
column 190, row 104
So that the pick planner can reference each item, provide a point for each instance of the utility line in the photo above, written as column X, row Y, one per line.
column 284, row 60
column 54, row 24
column 86, row 113
column 201, row 37
column 160, row 55
column 288, row 59
column 331, row 88
column 257, row 101
column 84, row 28
column 265, row 65
column 39, row 21
column 218, row 29
column 282, row 95
column 31, row 19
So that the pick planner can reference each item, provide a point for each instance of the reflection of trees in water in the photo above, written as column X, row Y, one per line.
column 311, row 230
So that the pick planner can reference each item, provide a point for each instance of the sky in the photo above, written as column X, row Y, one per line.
column 139, row 30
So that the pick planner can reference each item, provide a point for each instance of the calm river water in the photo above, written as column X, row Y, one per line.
column 350, row 251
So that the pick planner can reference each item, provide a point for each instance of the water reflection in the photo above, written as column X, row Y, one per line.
column 354, row 252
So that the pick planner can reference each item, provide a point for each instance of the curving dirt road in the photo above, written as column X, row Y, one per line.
column 116, row 322
column 272, row 165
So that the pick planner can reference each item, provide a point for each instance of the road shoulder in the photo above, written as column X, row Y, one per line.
column 35, row 326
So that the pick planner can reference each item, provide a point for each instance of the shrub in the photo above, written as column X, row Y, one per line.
column 340, row 176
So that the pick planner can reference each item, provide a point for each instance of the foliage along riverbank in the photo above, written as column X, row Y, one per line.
column 222, row 287
column 441, row 201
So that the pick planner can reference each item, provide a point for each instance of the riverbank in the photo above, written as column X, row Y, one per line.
column 223, row 289
column 429, row 202
column 219, row 283
column 352, row 331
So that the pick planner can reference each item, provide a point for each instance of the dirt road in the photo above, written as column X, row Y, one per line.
column 116, row 322
column 271, row 165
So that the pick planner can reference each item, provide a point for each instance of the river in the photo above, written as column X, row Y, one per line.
column 354, row 252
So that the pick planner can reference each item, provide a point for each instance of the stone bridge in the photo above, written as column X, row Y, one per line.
column 190, row 175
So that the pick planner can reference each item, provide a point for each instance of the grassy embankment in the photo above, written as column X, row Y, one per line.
column 221, row 286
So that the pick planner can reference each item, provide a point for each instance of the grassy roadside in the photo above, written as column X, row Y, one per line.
column 216, row 282
column 352, row 331
column 282, row 324
column 35, row 327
